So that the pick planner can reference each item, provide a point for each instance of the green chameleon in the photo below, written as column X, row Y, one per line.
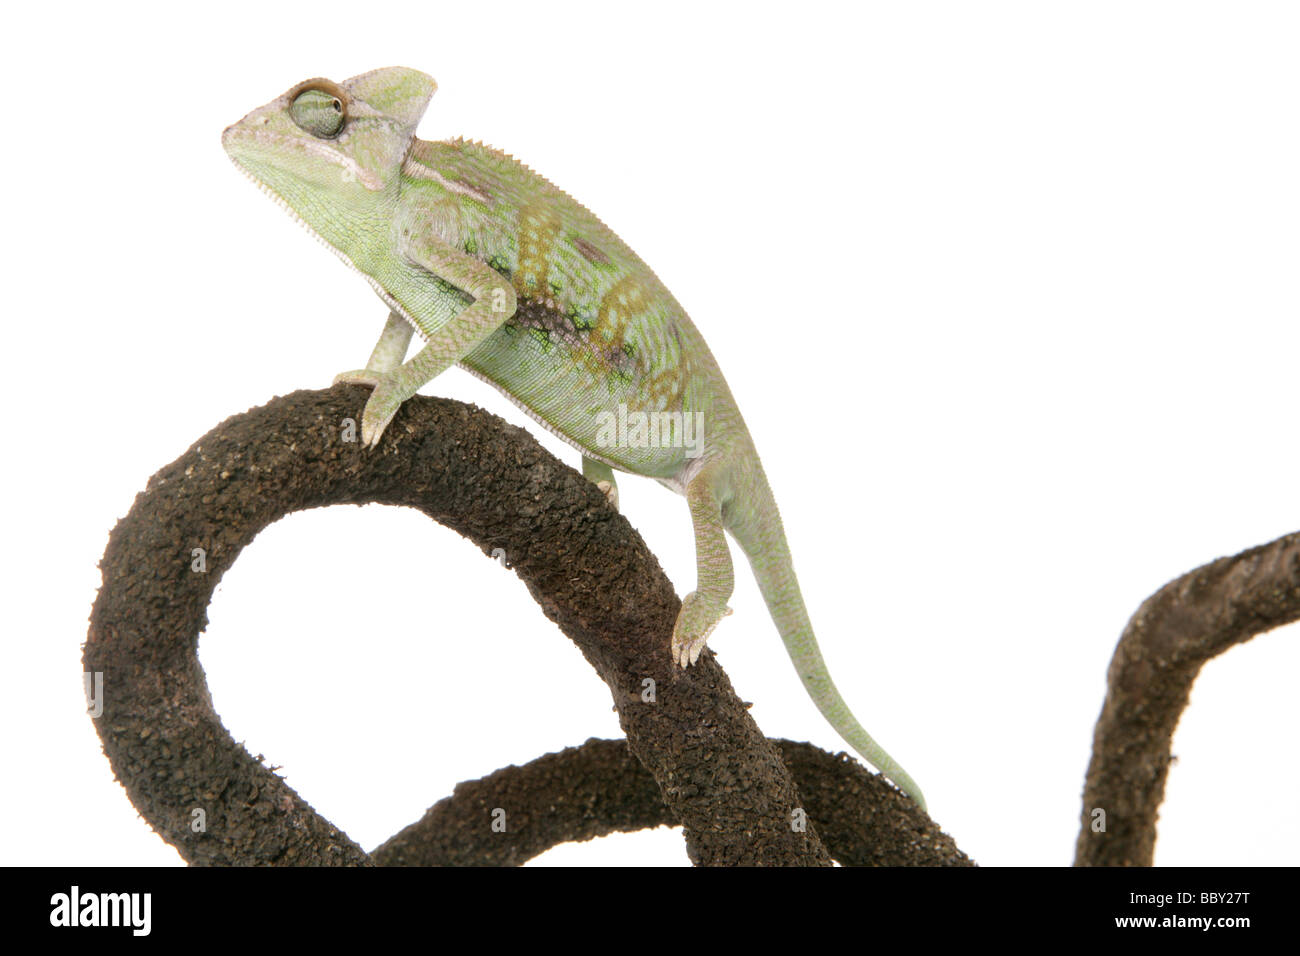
column 508, row 277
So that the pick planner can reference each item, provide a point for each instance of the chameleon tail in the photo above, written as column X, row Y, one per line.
column 761, row 535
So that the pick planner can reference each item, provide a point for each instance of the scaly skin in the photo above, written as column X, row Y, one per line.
column 507, row 276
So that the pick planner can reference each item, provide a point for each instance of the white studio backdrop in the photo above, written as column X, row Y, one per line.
column 1007, row 294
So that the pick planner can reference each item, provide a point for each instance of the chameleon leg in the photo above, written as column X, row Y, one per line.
column 602, row 476
column 448, row 342
column 391, row 347
column 704, row 607
column 394, row 386
column 384, row 359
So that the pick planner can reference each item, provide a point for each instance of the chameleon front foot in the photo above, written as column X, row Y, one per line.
column 382, row 405
column 695, row 622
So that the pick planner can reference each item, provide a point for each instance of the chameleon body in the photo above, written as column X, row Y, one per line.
column 504, row 274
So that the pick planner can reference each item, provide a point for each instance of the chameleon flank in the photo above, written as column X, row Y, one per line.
column 508, row 277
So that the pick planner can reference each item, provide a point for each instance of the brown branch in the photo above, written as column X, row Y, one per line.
column 587, row 568
column 1162, row 649
column 599, row 788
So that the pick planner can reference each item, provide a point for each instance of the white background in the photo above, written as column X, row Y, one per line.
column 1006, row 291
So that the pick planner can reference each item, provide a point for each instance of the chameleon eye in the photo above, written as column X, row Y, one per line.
column 319, row 112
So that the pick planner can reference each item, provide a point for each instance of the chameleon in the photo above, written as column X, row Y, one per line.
column 505, row 275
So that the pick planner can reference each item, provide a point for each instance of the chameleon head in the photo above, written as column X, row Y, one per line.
column 332, row 152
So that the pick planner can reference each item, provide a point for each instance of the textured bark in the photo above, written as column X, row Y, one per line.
column 587, row 568
column 1162, row 649
column 599, row 788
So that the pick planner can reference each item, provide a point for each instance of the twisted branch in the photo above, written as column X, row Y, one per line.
column 588, row 570
column 599, row 788
column 1162, row 649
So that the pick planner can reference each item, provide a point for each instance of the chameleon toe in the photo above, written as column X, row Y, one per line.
column 359, row 376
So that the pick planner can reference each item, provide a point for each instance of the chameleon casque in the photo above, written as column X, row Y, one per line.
column 507, row 276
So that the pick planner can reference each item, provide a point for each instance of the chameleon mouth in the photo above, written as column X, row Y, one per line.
column 241, row 137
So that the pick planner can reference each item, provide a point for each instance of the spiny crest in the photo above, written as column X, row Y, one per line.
column 501, row 153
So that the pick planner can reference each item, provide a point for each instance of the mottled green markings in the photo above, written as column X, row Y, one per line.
column 489, row 248
column 583, row 320
column 550, row 328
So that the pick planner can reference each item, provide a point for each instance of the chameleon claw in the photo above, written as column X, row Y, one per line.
column 361, row 376
column 380, row 408
column 610, row 491
column 689, row 654
column 693, row 616
column 373, row 426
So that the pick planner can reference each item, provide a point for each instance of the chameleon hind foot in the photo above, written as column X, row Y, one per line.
column 695, row 622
